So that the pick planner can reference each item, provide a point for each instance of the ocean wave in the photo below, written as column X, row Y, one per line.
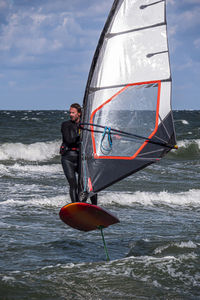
column 189, row 199
column 188, row 143
column 22, row 171
column 182, row 245
column 157, row 277
column 26, row 118
column 184, row 249
column 187, row 149
column 42, row 202
column 185, row 122
column 40, row 151
column 44, row 151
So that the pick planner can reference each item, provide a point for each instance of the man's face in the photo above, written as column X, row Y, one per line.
column 74, row 115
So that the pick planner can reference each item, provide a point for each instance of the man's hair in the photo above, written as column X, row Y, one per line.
column 78, row 107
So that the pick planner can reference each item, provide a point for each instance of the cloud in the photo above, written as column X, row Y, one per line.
column 4, row 10
column 95, row 9
column 12, row 83
column 172, row 2
column 47, row 44
column 187, row 64
column 183, row 24
column 184, row 17
column 33, row 33
column 190, row 19
column 197, row 43
column 189, row 2
column 26, row 26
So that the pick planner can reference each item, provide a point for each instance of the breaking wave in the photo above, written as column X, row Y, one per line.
column 40, row 151
column 44, row 151
column 188, row 200
column 187, row 149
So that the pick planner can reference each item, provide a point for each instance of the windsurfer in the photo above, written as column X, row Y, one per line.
column 69, row 151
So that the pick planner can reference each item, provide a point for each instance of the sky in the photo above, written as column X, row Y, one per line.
column 46, row 48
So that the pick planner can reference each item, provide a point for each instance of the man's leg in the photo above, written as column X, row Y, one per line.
column 69, row 169
column 93, row 199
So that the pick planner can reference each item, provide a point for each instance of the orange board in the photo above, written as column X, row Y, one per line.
column 86, row 217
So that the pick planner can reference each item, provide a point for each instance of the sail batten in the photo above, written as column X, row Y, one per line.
column 95, row 89
column 128, row 91
column 110, row 35
column 147, row 5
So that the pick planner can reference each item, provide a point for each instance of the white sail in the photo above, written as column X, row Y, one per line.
column 129, row 90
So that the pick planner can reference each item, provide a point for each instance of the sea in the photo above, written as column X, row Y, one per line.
column 155, row 249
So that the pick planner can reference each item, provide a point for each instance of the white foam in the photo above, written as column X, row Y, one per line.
column 160, row 249
column 44, row 202
column 26, row 118
column 189, row 244
column 188, row 256
column 21, row 171
column 4, row 225
column 8, row 278
column 187, row 143
column 40, row 151
column 3, row 170
column 188, row 199
column 54, row 168
column 184, row 122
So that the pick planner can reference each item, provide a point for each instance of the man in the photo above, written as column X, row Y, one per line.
column 70, row 151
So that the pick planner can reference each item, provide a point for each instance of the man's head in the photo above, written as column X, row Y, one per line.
column 75, row 112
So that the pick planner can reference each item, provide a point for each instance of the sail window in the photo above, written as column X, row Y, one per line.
column 134, row 109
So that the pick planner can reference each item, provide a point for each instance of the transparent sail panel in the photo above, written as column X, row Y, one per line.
column 132, row 110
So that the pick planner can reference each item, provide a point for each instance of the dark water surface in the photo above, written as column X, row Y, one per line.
column 154, row 250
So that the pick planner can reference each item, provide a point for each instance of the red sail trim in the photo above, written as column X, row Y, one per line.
column 90, row 184
column 94, row 112
column 109, row 100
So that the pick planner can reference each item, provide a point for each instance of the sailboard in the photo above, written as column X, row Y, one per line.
column 127, row 119
column 86, row 217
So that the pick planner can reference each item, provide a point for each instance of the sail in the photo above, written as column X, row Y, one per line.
column 127, row 118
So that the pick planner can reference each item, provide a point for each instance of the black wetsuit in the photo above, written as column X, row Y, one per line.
column 70, row 158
